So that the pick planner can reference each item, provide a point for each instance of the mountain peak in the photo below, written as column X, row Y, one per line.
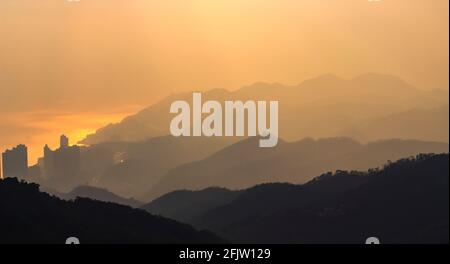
column 321, row 80
column 380, row 79
column 380, row 76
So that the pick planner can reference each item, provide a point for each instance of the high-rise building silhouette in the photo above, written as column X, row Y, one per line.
column 62, row 165
column 47, row 164
column 63, row 141
column 15, row 162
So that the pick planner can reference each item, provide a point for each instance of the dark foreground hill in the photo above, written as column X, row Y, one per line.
column 405, row 202
column 30, row 216
column 95, row 193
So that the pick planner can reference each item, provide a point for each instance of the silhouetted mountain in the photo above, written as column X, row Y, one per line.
column 405, row 202
column 412, row 124
column 185, row 206
column 30, row 216
column 326, row 106
column 244, row 164
column 98, row 194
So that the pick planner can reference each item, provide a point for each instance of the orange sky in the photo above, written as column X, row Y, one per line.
column 45, row 127
column 94, row 58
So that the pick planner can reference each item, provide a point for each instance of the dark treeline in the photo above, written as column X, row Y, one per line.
column 30, row 216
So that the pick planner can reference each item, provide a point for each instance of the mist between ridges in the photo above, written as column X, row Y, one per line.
column 226, row 120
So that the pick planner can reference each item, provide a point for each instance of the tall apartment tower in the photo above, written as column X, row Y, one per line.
column 63, row 141
column 61, row 165
column 15, row 162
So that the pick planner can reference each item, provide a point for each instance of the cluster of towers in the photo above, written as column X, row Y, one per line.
column 59, row 164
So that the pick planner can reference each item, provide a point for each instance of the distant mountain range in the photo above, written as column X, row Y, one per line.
column 30, row 216
column 404, row 202
column 244, row 164
column 326, row 106
column 136, row 157
column 417, row 123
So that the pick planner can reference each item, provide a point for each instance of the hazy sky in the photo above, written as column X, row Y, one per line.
column 97, row 59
